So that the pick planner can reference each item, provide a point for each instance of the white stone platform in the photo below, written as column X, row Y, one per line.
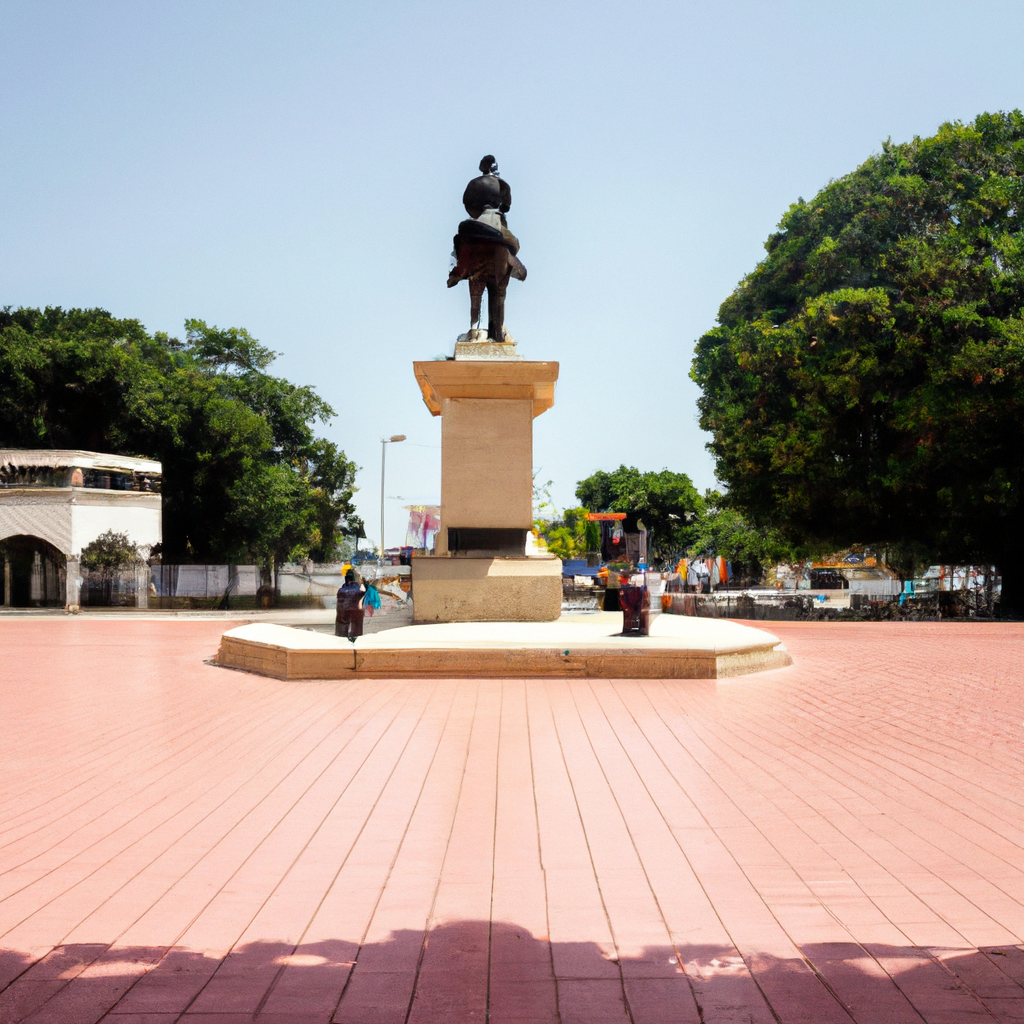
column 575, row 645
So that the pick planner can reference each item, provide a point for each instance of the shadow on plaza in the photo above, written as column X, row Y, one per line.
column 472, row 971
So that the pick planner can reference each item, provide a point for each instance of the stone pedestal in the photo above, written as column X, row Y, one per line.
column 479, row 589
column 487, row 398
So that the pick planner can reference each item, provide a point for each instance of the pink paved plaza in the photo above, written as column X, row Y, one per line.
column 841, row 840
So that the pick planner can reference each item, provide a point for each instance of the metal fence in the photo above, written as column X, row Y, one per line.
column 790, row 605
column 204, row 586
column 740, row 605
column 233, row 587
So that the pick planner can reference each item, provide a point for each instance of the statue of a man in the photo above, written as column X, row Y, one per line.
column 485, row 249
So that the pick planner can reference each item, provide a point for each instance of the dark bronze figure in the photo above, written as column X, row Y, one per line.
column 485, row 249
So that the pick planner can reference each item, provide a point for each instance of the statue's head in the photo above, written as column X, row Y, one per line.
column 489, row 165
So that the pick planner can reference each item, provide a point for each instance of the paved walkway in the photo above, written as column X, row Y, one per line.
column 838, row 841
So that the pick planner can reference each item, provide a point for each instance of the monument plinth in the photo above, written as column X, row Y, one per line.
column 480, row 571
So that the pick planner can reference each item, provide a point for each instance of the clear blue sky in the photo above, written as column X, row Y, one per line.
column 297, row 169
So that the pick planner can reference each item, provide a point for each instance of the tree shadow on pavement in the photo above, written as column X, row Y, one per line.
column 476, row 971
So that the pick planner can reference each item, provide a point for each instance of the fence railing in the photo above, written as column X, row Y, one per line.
column 230, row 587
column 791, row 605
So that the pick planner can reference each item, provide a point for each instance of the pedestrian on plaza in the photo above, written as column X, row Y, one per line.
column 349, row 620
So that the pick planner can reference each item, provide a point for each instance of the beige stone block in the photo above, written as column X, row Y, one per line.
column 461, row 589
column 572, row 647
column 495, row 378
column 487, row 463
column 304, row 655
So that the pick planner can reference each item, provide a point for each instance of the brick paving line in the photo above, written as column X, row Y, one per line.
column 143, row 740
column 943, row 790
column 354, row 890
column 640, row 760
column 588, row 971
column 894, row 824
column 225, row 727
column 75, row 769
column 743, row 931
column 651, row 739
column 914, row 735
column 57, row 1009
column 289, row 930
column 210, row 753
column 34, row 967
column 650, row 979
column 909, row 724
column 752, row 740
column 45, row 811
column 725, row 735
column 975, row 992
column 177, row 881
column 935, row 777
column 960, row 938
column 742, row 755
column 663, row 865
column 1016, row 991
column 250, row 773
column 69, row 798
column 917, row 765
column 639, row 927
column 387, row 979
column 355, row 721
column 521, row 971
column 462, row 898
column 853, row 769
column 803, row 822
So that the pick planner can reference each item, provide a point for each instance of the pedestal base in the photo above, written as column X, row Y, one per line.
column 574, row 647
column 476, row 345
column 467, row 589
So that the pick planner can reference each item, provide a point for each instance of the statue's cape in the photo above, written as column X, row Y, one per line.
column 478, row 231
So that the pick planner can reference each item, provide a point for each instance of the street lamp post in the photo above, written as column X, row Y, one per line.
column 384, row 442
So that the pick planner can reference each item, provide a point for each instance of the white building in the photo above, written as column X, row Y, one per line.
column 54, row 503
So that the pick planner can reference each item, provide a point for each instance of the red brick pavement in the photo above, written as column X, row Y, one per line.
column 839, row 841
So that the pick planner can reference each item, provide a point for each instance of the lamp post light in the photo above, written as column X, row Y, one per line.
column 384, row 442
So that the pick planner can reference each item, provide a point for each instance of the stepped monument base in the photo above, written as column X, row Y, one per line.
column 487, row 398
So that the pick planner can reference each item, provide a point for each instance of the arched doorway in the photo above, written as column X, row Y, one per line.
column 34, row 573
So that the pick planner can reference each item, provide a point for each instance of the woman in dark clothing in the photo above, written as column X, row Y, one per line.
column 349, row 620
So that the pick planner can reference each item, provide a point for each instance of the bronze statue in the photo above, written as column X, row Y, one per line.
column 485, row 249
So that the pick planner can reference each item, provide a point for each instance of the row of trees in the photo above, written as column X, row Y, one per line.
column 679, row 520
column 245, row 477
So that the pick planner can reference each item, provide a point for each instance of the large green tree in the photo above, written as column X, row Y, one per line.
column 866, row 380
column 245, row 477
column 723, row 531
column 666, row 503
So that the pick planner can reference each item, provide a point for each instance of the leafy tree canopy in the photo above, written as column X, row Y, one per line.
column 570, row 535
column 666, row 503
column 866, row 380
column 723, row 531
column 110, row 551
column 245, row 478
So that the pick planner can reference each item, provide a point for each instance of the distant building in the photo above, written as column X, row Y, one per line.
column 54, row 503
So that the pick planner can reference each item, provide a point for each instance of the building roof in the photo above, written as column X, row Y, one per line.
column 66, row 457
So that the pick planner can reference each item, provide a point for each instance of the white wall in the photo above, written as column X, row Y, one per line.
column 879, row 588
column 140, row 520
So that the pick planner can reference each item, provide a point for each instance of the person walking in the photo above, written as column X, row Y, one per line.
column 349, row 620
